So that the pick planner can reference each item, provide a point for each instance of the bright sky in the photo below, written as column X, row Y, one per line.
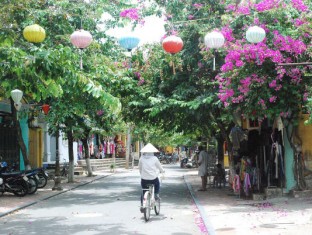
column 152, row 31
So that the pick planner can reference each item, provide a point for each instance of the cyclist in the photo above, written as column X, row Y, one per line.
column 149, row 167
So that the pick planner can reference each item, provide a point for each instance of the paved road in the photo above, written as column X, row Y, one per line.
column 109, row 206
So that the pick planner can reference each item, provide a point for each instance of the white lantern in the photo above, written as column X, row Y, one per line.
column 214, row 40
column 255, row 34
column 16, row 95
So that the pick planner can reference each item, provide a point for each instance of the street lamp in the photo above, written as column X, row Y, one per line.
column 17, row 96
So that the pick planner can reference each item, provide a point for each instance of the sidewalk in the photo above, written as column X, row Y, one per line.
column 224, row 213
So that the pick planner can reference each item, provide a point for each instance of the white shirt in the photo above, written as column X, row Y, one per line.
column 149, row 166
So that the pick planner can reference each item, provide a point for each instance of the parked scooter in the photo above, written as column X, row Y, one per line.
column 16, row 183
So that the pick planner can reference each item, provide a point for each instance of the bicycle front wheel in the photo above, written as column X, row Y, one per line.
column 147, row 209
column 157, row 206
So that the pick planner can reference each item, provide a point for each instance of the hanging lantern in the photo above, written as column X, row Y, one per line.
column 255, row 34
column 214, row 40
column 81, row 39
column 16, row 95
column 129, row 42
column 172, row 44
column 34, row 33
column 45, row 108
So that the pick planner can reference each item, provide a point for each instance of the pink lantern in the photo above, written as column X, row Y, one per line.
column 81, row 39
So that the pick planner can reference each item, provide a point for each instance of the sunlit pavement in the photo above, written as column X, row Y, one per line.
column 221, row 212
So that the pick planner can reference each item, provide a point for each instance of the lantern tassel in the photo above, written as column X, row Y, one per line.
column 173, row 68
column 80, row 52
column 214, row 63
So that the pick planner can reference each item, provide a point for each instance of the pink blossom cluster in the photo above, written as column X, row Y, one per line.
column 131, row 13
column 227, row 33
column 266, row 5
column 299, row 5
column 141, row 82
column 288, row 44
column 99, row 112
column 198, row 5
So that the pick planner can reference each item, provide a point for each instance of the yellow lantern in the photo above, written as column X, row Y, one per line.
column 34, row 33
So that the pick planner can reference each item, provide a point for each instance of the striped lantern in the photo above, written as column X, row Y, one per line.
column 129, row 42
column 34, row 33
column 214, row 40
column 255, row 34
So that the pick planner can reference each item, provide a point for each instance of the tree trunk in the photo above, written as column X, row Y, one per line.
column 87, row 155
column 57, row 177
column 71, row 156
column 20, row 140
column 220, row 141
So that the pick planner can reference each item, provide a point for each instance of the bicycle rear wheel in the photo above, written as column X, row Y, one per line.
column 147, row 209
column 157, row 206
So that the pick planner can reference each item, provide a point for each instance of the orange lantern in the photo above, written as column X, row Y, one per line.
column 45, row 108
column 34, row 33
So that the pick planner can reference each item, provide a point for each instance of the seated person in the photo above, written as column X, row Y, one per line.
column 219, row 177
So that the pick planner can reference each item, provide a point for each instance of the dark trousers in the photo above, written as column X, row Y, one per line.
column 144, row 186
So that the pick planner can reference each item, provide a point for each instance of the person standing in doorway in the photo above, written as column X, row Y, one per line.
column 203, row 167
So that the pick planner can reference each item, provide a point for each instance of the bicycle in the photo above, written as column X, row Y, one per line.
column 150, row 202
column 65, row 168
column 300, row 168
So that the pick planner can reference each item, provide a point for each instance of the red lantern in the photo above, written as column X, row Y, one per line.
column 45, row 108
column 172, row 44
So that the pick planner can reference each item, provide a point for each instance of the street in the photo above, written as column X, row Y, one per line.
column 110, row 205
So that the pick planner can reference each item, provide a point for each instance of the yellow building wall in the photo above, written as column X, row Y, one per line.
column 169, row 149
column 305, row 133
column 35, row 147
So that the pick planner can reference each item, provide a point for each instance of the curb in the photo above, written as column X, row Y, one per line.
column 53, row 195
column 201, row 209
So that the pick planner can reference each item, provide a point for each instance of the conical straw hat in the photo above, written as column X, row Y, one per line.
column 149, row 148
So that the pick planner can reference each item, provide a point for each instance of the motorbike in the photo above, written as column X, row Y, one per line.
column 16, row 183
column 188, row 163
